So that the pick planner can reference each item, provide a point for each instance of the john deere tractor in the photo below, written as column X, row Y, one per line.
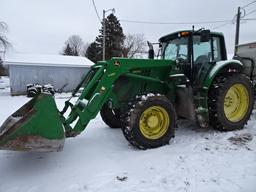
column 193, row 80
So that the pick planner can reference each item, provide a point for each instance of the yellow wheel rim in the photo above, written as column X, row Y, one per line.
column 236, row 102
column 154, row 122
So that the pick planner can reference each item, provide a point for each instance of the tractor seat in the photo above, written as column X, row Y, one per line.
column 200, row 63
column 202, row 59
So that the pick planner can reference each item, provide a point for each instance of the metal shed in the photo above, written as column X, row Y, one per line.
column 63, row 72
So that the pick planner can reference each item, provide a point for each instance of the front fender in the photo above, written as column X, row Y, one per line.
column 218, row 67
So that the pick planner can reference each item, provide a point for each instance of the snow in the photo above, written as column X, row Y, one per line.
column 46, row 60
column 4, row 83
column 101, row 160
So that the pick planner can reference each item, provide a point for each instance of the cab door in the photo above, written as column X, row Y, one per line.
column 204, row 56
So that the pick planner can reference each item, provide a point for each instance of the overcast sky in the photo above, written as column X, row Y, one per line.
column 42, row 26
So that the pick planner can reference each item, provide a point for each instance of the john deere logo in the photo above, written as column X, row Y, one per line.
column 117, row 63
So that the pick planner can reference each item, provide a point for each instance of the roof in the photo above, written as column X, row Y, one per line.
column 46, row 60
column 251, row 44
column 174, row 35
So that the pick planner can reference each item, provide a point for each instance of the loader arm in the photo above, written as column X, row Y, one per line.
column 97, row 86
column 40, row 126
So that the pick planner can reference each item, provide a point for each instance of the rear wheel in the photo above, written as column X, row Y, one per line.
column 230, row 102
column 150, row 122
column 110, row 116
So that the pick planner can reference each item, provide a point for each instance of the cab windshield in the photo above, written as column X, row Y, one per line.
column 176, row 48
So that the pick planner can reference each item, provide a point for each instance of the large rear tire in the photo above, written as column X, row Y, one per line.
column 230, row 102
column 110, row 116
column 150, row 121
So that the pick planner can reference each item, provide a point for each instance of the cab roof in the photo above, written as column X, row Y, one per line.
column 175, row 35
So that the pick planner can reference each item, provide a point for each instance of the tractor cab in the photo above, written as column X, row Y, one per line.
column 194, row 51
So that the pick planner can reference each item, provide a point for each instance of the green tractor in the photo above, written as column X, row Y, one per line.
column 193, row 80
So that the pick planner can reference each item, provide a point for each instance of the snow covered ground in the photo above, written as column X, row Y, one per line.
column 101, row 160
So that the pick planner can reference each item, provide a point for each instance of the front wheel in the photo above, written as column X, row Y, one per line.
column 150, row 122
column 110, row 116
column 230, row 102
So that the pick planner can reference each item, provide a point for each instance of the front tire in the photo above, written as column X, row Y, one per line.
column 150, row 122
column 110, row 116
column 230, row 102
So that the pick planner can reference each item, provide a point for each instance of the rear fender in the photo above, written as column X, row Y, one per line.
column 222, row 66
column 201, row 101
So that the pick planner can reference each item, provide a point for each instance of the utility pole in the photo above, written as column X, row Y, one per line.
column 104, row 33
column 238, row 17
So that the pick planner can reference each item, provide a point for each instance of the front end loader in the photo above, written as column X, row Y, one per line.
column 145, row 97
column 39, row 126
column 36, row 126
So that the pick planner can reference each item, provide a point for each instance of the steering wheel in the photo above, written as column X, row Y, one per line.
column 185, row 57
column 182, row 59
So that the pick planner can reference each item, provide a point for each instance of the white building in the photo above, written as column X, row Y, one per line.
column 63, row 72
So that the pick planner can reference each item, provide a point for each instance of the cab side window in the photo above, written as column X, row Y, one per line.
column 216, row 49
column 202, row 50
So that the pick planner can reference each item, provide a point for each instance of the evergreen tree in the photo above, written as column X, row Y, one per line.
column 73, row 46
column 67, row 50
column 93, row 52
column 114, row 41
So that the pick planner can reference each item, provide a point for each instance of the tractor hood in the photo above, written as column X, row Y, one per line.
column 118, row 62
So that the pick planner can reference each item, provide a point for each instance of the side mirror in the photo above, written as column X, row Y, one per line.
column 151, row 53
column 205, row 36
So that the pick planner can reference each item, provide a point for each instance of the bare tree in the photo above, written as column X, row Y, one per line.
column 74, row 45
column 4, row 43
column 134, row 44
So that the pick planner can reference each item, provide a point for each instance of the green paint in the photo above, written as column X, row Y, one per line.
column 211, row 74
column 116, row 81
column 100, row 89
column 38, row 117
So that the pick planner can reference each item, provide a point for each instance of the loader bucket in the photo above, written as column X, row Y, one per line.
column 36, row 126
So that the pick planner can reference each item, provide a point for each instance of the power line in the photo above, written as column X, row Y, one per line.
column 245, row 14
column 96, row 11
column 245, row 19
column 222, row 25
column 173, row 23
column 224, row 22
column 249, row 19
column 250, row 12
column 248, row 4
